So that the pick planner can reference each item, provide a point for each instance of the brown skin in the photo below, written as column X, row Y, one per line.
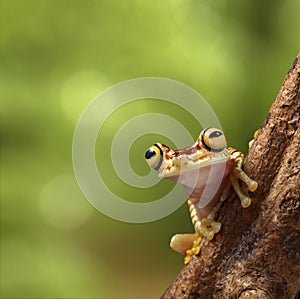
column 259, row 257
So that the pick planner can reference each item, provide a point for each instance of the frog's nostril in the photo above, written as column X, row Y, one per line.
column 150, row 153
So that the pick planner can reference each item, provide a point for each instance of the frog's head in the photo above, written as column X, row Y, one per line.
column 209, row 147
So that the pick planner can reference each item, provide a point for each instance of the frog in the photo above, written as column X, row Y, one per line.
column 207, row 169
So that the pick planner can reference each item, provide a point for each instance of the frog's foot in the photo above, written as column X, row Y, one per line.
column 245, row 200
column 183, row 242
column 208, row 228
column 240, row 174
column 186, row 244
column 237, row 174
column 195, row 249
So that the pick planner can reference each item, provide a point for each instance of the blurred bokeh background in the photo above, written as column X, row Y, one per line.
column 56, row 56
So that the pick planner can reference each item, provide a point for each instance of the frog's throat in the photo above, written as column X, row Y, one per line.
column 205, row 184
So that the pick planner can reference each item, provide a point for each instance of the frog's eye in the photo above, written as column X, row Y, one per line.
column 213, row 139
column 154, row 156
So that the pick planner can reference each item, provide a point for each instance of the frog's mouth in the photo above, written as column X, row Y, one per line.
column 190, row 166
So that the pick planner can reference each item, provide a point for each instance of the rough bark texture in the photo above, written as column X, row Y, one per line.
column 257, row 252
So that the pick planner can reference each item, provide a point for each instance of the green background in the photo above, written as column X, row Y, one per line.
column 56, row 56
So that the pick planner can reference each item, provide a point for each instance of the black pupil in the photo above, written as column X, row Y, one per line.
column 215, row 134
column 150, row 153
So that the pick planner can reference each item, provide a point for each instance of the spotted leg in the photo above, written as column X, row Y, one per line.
column 206, row 227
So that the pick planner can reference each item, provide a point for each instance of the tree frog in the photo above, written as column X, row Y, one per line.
column 207, row 170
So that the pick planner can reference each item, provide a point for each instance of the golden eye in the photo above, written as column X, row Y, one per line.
column 213, row 139
column 154, row 156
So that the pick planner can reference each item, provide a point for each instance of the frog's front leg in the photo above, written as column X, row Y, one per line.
column 238, row 173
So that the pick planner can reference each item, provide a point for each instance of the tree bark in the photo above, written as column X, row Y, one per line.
column 257, row 252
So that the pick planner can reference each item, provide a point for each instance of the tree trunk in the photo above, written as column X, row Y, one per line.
column 257, row 252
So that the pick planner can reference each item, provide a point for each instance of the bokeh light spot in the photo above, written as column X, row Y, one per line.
column 79, row 89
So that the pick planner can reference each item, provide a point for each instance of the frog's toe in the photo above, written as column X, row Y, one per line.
column 252, row 185
column 194, row 250
column 207, row 233
column 209, row 228
column 245, row 201
column 187, row 259
column 210, row 235
column 216, row 226
column 190, row 253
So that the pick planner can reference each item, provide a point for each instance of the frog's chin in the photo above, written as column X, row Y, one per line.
column 203, row 182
